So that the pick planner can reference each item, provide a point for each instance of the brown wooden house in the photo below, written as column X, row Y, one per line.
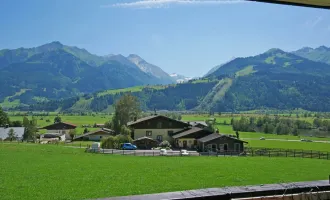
column 145, row 143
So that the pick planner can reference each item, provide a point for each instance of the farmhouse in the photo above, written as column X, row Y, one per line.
column 157, row 127
column 60, row 127
column 95, row 135
column 18, row 131
column 182, row 135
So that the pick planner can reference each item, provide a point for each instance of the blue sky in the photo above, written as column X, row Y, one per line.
column 182, row 36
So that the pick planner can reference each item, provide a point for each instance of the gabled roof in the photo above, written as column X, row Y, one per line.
column 104, row 130
column 144, row 138
column 51, row 126
column 187, row 132
column 215, row 136
column 19, row 132
column 151, row 118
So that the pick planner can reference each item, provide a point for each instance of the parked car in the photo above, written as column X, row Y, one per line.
column 128, row 146
column 184, row 152
column 163, row 152
column 262, row 138
column 303, row 140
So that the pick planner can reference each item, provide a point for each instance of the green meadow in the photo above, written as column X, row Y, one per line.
column 31, row 171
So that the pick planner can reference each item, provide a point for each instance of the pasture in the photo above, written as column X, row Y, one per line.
column 31, row 171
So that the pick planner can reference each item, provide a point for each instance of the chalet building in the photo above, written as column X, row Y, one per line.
column 182, row 135
column 157, row 127
column 60, row 127
column 96, row 135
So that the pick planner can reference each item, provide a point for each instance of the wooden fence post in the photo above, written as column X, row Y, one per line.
column 294, row 153
column 112, row 151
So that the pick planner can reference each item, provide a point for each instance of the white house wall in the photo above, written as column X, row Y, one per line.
column 155, row 132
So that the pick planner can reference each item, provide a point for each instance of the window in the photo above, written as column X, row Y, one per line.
column 148, row 133
column 159, row 125
column 170, row 133
column 100, row 137
column 159, row 137
column 170, row 124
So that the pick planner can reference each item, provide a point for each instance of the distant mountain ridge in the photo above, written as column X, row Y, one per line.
column 319, row 54
column 54, row 71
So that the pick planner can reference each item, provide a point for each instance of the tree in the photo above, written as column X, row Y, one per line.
column 237, row 135
column 85, row 130
column 4, row 119
column 30, row 128
column 124, row 130
column 72, row 133
column 127, row 108
column 11, row 134
column 16, row 124
column 57, row 119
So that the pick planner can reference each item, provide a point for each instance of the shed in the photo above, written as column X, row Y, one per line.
column 145, row 143
column 221, row 143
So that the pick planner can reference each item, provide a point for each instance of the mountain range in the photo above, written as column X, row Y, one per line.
column 274, row 79
column 55, row 71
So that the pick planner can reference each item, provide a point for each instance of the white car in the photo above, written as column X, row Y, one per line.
column 262, row 138
column 163, row 152
column 184, row 153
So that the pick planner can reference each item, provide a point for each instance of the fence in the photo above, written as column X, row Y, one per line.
column 296, row 153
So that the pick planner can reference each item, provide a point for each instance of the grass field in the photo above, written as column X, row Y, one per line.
column 57, row 172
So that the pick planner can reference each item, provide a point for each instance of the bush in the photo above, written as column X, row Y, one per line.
column 165, row 144
column 113, row 142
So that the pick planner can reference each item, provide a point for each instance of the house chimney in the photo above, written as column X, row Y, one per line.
column 155, row 111
column 7, row 126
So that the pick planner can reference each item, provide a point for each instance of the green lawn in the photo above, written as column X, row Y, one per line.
column 289, row 145
column 57, row 172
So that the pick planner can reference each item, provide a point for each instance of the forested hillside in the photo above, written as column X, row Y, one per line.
column 54, row 71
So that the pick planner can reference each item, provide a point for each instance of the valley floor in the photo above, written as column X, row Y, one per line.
column 54, row 172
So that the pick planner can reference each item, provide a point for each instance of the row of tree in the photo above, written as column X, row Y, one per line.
column 266, row 124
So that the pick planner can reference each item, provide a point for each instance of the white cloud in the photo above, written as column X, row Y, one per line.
column 166, row 3
column 313, row 22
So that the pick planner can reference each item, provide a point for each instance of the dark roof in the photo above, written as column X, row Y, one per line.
column 153, row 117
column 215, row 136
column 144, row 138
column 59, row 123
column 19, row 132
column 187, row 132
column 104, row 130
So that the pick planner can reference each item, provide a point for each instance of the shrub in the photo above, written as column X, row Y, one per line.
column 109, row 142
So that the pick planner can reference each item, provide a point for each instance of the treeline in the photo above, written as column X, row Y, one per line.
column 266, row 124
column 184, row 96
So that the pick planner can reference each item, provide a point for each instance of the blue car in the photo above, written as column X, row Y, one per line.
column 128, row 146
